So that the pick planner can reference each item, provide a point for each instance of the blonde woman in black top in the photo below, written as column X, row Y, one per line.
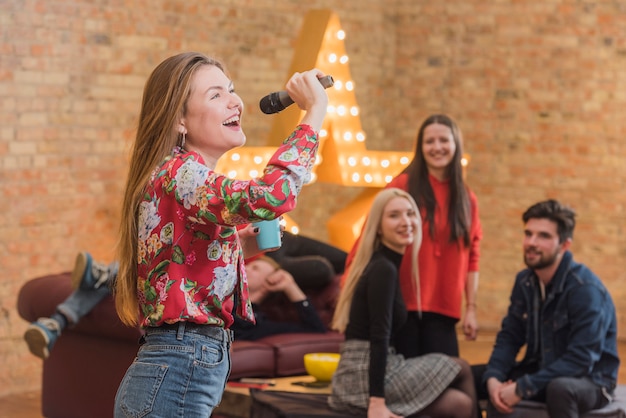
column 370, row 375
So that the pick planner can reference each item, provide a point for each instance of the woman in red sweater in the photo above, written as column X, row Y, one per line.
column 448, row 257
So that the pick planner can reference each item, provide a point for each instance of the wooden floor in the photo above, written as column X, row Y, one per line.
column 28, row 405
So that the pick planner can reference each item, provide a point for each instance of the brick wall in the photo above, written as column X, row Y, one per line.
column 536, row 86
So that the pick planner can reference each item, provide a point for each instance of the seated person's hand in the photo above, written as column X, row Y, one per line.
column 378, row 409
column 281, row 281
column 508, row 395
column 494, row 386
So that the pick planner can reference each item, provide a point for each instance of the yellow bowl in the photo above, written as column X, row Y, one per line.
column 321, row 365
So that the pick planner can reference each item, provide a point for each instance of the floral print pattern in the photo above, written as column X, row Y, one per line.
column 190, row 262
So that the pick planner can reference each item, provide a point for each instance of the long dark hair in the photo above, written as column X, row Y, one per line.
column 459, row 210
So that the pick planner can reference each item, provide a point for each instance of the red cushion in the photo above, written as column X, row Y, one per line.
column 251, row 359
column 290, row 349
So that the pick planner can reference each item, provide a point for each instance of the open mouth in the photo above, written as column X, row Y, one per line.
column 232, row 122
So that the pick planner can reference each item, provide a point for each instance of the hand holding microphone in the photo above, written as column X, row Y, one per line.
column 279, row 100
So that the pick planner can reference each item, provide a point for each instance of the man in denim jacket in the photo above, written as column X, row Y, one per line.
column 566, row 318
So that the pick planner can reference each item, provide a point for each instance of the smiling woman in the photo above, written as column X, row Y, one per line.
column 181, row 254
column 448, row 258
column 371, row 377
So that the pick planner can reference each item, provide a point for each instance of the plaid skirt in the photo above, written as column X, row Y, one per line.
column 410, row 384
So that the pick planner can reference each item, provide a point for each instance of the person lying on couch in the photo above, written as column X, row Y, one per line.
column 93, row 280
column 264, row 277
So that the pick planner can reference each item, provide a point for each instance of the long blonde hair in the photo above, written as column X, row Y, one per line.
column 164, row 102
column 368, row 243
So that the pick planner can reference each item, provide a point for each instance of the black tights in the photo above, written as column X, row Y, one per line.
column 458, row 400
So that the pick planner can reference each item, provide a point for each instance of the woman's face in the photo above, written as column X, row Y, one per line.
column 438, row 147
column 212, row 121
column 398, row 224
column 257, row 272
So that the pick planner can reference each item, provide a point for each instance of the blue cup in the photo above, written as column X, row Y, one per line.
column 269, row 234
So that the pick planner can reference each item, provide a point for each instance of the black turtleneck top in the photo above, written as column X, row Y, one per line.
column 377, row 311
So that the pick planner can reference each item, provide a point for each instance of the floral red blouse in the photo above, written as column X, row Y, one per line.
column 190, row 261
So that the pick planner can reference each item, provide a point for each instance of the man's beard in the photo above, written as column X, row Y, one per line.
column 544, row 260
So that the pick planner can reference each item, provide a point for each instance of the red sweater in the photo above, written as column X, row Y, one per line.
column 443, row 265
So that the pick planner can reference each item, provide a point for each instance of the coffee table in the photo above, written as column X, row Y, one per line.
column 236, row 401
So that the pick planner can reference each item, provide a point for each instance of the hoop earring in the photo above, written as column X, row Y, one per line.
column 183, row 139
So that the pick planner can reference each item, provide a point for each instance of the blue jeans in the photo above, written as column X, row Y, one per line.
column 179, row 371
column 80, row 302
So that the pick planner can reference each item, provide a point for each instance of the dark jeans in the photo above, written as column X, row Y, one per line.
column 312, row 263
column 565, row 397
column 432, row 333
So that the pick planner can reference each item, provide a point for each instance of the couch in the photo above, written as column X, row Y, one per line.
column 81, row 376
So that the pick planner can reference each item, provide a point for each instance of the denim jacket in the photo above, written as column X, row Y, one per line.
column 573, row 332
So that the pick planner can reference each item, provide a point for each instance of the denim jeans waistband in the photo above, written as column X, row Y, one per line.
column 184, row 327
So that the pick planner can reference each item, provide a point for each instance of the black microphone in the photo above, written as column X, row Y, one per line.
column 279, row 100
